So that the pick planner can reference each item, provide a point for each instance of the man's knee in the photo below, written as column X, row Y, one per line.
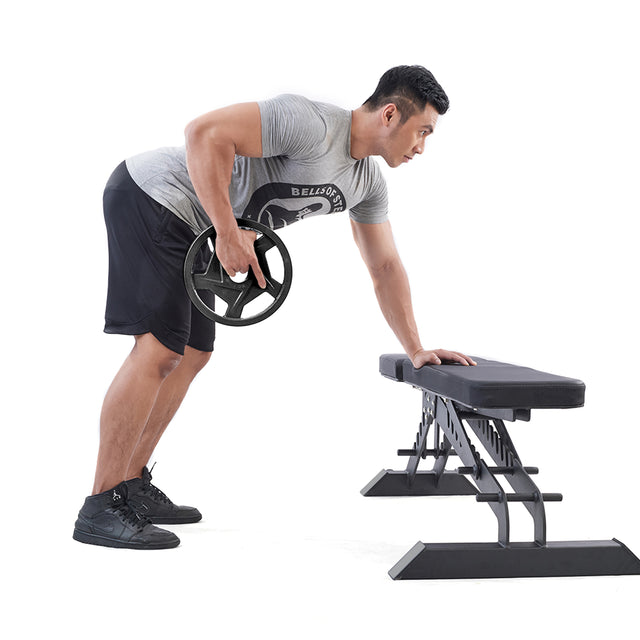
column 196, row 360
column 159, row 359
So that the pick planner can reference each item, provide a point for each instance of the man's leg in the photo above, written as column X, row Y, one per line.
column 168, row 401
column 127, row 407
column 146, row 498
column 107, row 518
column 146, row 297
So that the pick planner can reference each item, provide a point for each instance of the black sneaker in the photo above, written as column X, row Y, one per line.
column 108, row 520
column 152, row 503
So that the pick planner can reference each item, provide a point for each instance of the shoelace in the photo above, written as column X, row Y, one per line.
column 152, row 490
column 130, row 515
column 155, row 493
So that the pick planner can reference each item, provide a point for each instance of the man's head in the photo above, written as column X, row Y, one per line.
column 410, row 88
column 395, row 121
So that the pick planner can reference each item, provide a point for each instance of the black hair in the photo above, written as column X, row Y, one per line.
column 410, row 88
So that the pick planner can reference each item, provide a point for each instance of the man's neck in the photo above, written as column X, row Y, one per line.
column 363, row 142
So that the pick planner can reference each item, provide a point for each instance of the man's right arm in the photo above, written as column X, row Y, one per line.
column 212, row 142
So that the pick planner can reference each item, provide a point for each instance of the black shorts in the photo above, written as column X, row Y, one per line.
column 147, row 247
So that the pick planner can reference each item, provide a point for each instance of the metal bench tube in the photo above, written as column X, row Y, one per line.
column 452, row 427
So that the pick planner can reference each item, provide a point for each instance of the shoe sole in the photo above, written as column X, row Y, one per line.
column 168, row 520
column 91, row 538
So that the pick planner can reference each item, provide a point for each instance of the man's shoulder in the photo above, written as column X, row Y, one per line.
column 290, row 102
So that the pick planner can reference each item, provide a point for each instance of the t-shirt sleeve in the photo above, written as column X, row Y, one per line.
column 374, row 208
column 291, row 126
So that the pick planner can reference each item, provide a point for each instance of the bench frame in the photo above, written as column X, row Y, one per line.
column 446, row 419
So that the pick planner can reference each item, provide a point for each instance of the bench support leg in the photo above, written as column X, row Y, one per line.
column 517, row 560
column 497, row 442
column 411, row 482
column 501, row 559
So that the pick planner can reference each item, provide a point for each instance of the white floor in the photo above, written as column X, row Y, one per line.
column 298, row 568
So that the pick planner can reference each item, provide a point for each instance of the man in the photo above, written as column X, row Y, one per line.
column 276, row 161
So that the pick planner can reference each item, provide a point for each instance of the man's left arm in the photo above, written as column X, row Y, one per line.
column 391, row 286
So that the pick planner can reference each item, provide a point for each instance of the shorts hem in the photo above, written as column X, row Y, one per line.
column 165, row 336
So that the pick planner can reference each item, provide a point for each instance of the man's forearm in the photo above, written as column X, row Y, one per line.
column 392, row 290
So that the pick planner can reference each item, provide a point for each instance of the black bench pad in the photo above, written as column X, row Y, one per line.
column 490, row 384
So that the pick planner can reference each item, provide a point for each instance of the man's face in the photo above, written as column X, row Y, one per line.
column 406, row 139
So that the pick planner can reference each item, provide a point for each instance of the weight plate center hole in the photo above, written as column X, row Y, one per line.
column 239, row 278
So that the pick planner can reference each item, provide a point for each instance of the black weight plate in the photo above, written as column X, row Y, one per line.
column 237, row 294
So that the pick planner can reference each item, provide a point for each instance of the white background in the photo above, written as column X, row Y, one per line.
column 517, row 230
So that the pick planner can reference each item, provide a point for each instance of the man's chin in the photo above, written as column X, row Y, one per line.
column 393, row 163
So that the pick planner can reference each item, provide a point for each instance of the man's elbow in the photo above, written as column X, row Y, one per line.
column 194, row 131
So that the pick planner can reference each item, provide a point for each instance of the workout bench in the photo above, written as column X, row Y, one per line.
column 484, row 397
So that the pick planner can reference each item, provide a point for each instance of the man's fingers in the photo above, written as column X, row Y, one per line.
column 438, row 356
column 456, row 357
column 251, row 236
column 230, row 272
column 257, row 271
column 464, row 359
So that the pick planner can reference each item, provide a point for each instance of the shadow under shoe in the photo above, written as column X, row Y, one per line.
column 152, row 503
column 108, row 520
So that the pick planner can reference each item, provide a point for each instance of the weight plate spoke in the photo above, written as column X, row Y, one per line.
column 273, row 287
column 205, row 281
column 234, row 310
column 263, row 244
column 214, row 269
column 249, row 293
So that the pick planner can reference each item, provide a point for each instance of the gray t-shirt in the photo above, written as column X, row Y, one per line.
column 306, row 170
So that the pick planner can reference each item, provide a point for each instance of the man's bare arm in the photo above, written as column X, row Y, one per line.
column 212, row 142
column 391, row 286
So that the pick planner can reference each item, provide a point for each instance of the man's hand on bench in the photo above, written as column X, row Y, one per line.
column 438, row 356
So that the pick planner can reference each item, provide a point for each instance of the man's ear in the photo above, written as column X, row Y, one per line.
column 390, row 114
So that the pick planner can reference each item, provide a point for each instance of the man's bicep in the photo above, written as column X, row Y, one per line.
column 376, row 244
column 238, row 124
